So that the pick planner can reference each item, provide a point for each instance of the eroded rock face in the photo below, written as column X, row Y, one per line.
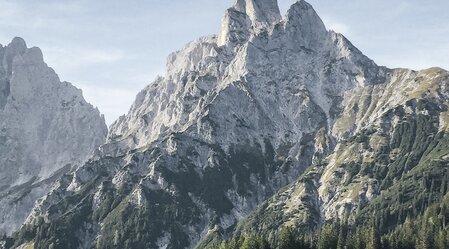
column 247, row 17
column 46, row 129
column 235, row 117
column 387, row 135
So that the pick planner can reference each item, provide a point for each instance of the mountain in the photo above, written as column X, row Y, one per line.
column 394, row 165
column 46, row 129
column 274, row 122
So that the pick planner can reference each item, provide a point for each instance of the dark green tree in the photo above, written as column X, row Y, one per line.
column 373, row 238
column 287, row 239
column 328, row 238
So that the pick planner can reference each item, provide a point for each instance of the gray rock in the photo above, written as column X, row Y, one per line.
column 46, row 129
column 235, row 118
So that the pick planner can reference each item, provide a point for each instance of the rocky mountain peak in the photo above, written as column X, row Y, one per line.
column 304, row 25
column 34, row 56
column 16, row 47
column 246, row 17
column 251, row 17
column 259, row 11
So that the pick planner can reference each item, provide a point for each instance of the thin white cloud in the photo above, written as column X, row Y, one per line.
column 398, row 8
column 74, row 57
column 72, row 7
column 8, row 9
column 428, row 57
column 4, row 40
column 337, row 26
column 47, row 15
column 111, row 101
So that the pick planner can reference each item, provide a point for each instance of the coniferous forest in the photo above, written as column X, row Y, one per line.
column 427, row 231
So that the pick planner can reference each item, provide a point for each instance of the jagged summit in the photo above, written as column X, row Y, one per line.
column 16, row 47
column 248, row 18
column 259, row 11
column 304, row 24
column 17, row 44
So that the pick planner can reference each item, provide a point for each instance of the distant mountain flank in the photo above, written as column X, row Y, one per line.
column 46, row 129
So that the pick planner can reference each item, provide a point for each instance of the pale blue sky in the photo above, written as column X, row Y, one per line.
column 112, row 49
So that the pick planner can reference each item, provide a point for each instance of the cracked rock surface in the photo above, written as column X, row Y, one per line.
column 46, row 129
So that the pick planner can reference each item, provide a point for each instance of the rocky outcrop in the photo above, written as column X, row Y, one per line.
column 46, row 129
column 389, row 136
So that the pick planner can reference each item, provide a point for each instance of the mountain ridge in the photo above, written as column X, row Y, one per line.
column 47, row 128
column 236, row 118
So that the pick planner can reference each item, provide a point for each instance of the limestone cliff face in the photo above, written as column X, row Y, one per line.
column 389, row 136
column 235, row 118
column 46, row 128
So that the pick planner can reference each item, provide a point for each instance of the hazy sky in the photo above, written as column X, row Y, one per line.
column 112, row 49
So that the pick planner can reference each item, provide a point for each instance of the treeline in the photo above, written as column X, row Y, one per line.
column 427, row 231
column 409, row 236
column 413, row 214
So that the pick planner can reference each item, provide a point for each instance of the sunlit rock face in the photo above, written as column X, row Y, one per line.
column 236, row 117
column 46, row 129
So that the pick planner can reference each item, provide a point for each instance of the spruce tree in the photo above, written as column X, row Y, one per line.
column 373, row 238
column 249, row 243
column 287, row 239
column 328, row 237
column 425, row 238
column 341, row 244
column 441, row 240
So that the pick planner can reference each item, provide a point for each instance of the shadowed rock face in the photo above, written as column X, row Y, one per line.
column 235, row 118
column 46, row 128
column 247, row 15
column 7, row 54
column 259, row 11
